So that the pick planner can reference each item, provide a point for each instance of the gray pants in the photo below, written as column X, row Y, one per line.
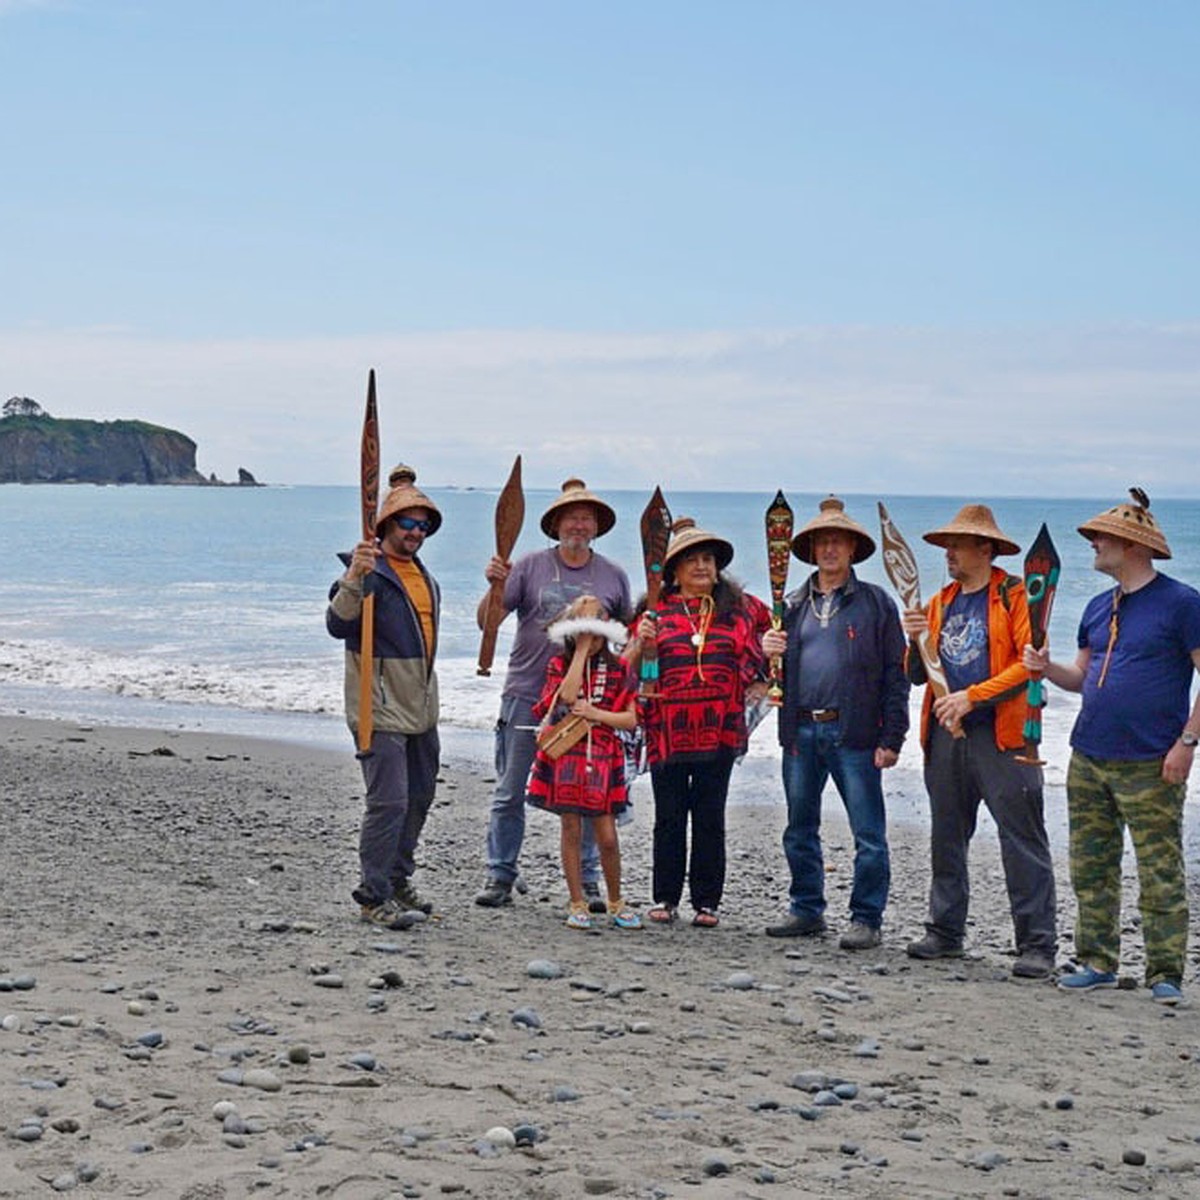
column 959, row 772
column 401, row 774
column 516, row 744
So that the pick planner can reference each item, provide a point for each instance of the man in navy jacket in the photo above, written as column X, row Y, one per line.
column 844, row 714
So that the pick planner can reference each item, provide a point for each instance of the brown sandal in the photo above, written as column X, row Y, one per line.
column 706, row 918
column 662, row 914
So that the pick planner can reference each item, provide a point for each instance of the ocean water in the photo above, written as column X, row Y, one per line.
column 203, row 608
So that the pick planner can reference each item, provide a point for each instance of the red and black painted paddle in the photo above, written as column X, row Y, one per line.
column 1042, row 567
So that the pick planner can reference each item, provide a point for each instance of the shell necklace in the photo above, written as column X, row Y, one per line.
column 704, row 615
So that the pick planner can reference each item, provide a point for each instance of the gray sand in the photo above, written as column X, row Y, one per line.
column 180, row 904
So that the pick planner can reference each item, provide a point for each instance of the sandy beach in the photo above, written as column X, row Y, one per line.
column 189, row 1007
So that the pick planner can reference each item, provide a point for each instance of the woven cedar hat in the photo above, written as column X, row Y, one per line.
column 832, row 516
column 403, row 493
column 974, row 520
column 574, row 491
column 1131, row 521
column 685, row 536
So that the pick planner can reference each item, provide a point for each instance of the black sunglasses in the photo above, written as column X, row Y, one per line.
column 410, row 523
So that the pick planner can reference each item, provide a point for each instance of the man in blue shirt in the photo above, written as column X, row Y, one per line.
column 1132, row 750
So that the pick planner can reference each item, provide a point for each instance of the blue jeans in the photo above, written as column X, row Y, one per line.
column 515, row 748
column 818, row 754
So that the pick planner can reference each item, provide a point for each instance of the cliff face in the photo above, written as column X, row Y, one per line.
column 42, row 449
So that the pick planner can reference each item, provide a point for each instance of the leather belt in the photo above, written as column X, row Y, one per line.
column 820, row 715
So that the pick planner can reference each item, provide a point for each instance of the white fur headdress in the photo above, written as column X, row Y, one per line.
column 613, row 632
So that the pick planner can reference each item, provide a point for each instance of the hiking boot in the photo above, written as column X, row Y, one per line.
column 932, row 946
column 591, row 893
column 408, row 897
column 388, row 915
column 1033, row 964
column 860, row 937
column 496, row 893
column 1087, row 979
column 795, row 926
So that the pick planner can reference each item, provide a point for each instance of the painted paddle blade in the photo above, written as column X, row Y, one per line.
column 1042, row 567
column 369, row 505
column 901, row 566
column 510, row 516
column 779, row 521
column 656, row 533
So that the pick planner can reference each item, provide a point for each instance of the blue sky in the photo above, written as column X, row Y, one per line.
column 901, row 247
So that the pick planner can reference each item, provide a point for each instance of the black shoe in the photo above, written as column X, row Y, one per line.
column 1033, row 964
column 591, row 893
column 931, row 946
column 496, row 893
column 796, row 926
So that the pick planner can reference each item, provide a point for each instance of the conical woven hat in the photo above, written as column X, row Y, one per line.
column 403, row 493
column 832, row 516
column 974, row 520
column 574, row 491
column 1131, row 521
column 685, row 536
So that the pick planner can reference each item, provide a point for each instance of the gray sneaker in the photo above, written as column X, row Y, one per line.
column 860, row 937
column 496, row 893
column 591, row 893
column 794, row 926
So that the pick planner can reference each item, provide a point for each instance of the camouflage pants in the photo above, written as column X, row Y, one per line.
column 1103, row 797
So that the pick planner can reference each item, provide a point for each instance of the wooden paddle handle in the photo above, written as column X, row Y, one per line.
column 366, row 671
column 491, row 624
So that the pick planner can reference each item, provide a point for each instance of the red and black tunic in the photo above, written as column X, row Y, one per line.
column 701, row 703
column 590, row 777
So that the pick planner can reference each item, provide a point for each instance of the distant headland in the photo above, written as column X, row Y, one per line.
column 38, row 448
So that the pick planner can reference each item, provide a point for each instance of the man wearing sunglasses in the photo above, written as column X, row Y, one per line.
column 400, row 767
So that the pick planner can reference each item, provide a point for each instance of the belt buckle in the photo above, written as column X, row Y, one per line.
column 821, row 715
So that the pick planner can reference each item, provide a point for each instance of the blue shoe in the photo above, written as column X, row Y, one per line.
column 1087, row 980
column 1165, row 991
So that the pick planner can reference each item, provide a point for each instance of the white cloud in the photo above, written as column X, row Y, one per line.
column 1064, row 411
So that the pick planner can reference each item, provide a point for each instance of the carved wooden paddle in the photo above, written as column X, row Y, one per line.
column 369, row 501
column 779, row 552
column 656, row 534
column 1042, row 566
column 510, row 515
column 901, row 568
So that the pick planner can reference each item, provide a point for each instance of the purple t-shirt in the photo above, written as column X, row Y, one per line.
column 539, row 587
column 1144, row 703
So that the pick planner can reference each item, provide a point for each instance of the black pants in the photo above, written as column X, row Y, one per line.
column 959, row 773
column 698, row 790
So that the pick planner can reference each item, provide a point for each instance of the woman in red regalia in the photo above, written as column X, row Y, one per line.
column 708, row 635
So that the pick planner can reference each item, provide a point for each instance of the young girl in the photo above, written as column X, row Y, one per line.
column 588, row 780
